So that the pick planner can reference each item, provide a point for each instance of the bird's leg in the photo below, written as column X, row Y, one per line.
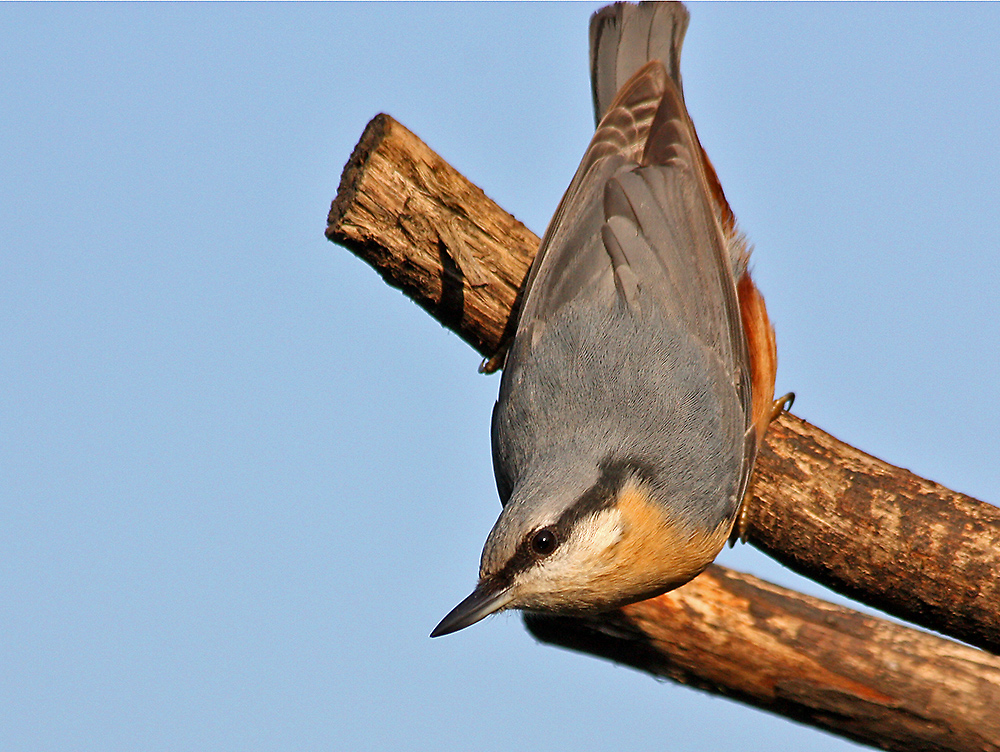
column 784, row 402
column 739, row 533
column 495, row 362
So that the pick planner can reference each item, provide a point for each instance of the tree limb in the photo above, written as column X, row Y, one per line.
column 858, row 676
column 863, row 527
column 878, row 533
column 430, row 232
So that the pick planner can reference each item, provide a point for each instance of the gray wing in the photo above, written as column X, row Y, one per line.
column 641, row 225
column 638, row 214
column 571, row 256
column 623, row 37
column 637, row 228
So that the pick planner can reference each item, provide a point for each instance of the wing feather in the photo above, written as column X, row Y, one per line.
column 640, row 214
column 572, row 256
column 644, row 223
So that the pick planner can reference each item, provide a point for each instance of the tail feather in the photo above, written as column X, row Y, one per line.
column 624, row 37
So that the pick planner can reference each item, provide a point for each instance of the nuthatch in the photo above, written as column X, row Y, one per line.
column 640, row 378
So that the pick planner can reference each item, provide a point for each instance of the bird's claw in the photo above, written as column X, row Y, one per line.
column 780, row 405
column 495, row 362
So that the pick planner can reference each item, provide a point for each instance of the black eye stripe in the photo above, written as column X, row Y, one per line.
column 599, row 496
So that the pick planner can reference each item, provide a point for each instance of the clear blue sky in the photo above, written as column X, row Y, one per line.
column 241, row 479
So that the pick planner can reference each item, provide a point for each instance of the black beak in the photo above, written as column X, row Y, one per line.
column 485, row 600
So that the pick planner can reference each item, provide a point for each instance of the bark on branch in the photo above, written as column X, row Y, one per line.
column 858, row 676
column 858, row 525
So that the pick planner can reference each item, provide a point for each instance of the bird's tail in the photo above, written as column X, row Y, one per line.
column 624, row 37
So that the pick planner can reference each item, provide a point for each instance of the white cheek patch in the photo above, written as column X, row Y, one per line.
column 593, row 536
column 579, row 558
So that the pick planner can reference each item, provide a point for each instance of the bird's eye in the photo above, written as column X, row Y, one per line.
column 544, row 542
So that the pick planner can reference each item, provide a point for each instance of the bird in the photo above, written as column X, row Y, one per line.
column 640, row 377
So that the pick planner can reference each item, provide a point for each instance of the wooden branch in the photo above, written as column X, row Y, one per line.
column 873, row 531
column 858, row 676
column 878, row 533
column 430, row 232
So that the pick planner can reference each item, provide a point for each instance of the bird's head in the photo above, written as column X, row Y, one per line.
column 616, row 542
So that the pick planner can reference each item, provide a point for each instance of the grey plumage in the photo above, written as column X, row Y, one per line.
column 619, row 353
column 623, row 429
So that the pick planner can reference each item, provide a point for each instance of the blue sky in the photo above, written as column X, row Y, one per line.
column 241, row 479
